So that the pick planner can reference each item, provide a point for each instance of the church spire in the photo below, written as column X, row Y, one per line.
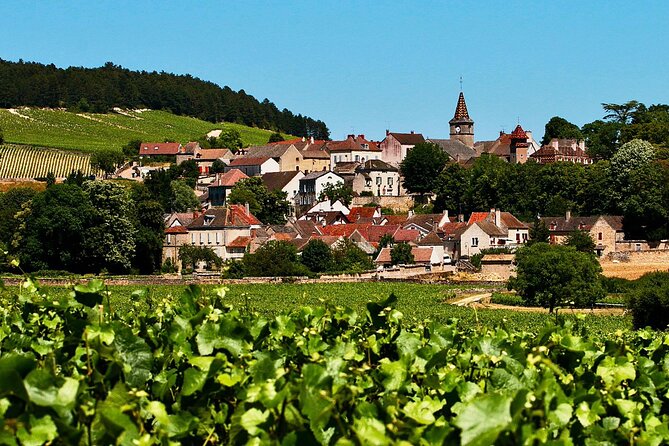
column 461, row 113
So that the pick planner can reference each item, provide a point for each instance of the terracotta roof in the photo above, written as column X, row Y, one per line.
column 408, row 139
column 506, row 219
column 518, row 133
column 461, row 113
column 240, row 242
column 176, row 230
column 285, row 236
column 191, row 146
column 307, row 227
column 358, row 212
column 229, row 178
column 159, row 148
column 352, row 142
column 477, row 216
column 396, row 219
column 246, row 161
column 420, row 255
column 232, row 216
column 278, row 180
column 329, row 240
column 452, row 229
column 406, row 235
column 212, row 154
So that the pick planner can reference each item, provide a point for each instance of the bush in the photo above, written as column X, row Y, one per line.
column 168, row 267
column 317, row 256
column 274, row 259
column 616, row 285
column 649, row 301
column 507, row 299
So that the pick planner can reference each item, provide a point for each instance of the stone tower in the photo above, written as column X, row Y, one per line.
column 519, row 146
column 462, row 126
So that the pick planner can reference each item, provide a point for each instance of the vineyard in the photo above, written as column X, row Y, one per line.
column 27, row 162
column 197, row 370
column 89, row 132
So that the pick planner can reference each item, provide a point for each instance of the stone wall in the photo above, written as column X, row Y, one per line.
column 401, row 204
column 651, row 256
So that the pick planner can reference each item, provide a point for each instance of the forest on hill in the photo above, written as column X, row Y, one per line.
column 101, row 89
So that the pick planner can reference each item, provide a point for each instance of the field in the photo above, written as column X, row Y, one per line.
column 89, row 132
column 632, row 271
column 27, row 162
column 199, row 366
column 418, row 302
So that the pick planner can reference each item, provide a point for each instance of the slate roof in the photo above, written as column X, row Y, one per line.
column 424, row 221
column 377, row 165
column 229, row 178
column 581, row 223
column 278, row 180
column 456, row 149
column 268, row 151
column 408, row 139
column 232, row 216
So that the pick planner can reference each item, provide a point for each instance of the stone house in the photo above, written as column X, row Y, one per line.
column 353, row 149
column 254, row 166
column 568, row 150
column 313, row 184
column 395, row 146
column 286, row 155
column 378, row 178
column 605, row 230
column 204, row 158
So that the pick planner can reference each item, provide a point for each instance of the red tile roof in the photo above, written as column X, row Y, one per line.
column 229, row 178
column 406, row 235
column 176, row 230
column 477, row 216
column 233, row 215
column 420, row 255
column 212, row 154
column 240, row 242
column 361, row 212
column 159, row 148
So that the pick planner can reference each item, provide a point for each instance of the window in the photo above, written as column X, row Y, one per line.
column 517, row 237
column 390, row 181
column 524, row 238
column 217, row 239
column 357, row 158
column 379, row 180
column 169, row 239
column 599, row 236
column 192, row 238
column 475, row 241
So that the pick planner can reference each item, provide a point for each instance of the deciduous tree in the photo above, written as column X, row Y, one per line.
column 401, row 254
column 421, row 167
column 317, row 256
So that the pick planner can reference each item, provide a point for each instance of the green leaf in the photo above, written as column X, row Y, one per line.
column 42, row 430
column 46, row 390
column 561, row 415
column 483, row 419
column 423, row 411
column 407, row 344
column 614, row 370
column 117, row 424
column 252, row 418
column 89, row 294
column 394, row 373
column 135, row 354
column 371, row 431
column 193, row 381
column 207, row 338
column 13, row 367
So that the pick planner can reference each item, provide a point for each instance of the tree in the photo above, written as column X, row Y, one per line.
column 191, row 255
column 558, row 127
column 131, row 149
column 649, row 301
column 556, row 275
column 50, row 179
column 183, row 197
column 11, row 203
column 620, row 113
column 231, row 139
column 421, row 167
column 401, row 254
column 349, row 257
column 317, row 256
column 270, row 207
column 109, row 241
column 218, row 166
column 451, row 188
column 581, row 241
column 106, row 160
column 538, row 233
column 274, row 259
column 338, row 191
column 2, row 136
column 601, row 138
column 275, row 137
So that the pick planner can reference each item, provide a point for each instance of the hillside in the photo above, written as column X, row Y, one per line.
column 18, row 162
column 89, row 132
column 102, row 89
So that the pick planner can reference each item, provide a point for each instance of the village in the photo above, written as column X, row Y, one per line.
column 381, row 212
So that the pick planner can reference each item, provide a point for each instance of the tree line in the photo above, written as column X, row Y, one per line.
column 101, row 89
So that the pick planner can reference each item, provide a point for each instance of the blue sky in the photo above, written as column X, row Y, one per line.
column 364, row 66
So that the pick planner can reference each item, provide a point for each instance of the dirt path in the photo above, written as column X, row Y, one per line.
column 597, row 311
column 469, row 300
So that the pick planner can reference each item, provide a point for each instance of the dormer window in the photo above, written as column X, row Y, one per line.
column 208, row 219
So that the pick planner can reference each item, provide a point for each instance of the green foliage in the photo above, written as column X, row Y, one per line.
column 11, row 203
column 270, row 207
column 218, row 166
column 476, row 258
column 274, row 259
column 450, row 188
column 507, row 299
column 558, row 127
column 168, row 267
column 183, row 197
column 230, row 139
column 421, row 167
column 649, row 301
column 106, row 160
column 553, row 275
column 348, row 257
column 198, row 370
column 131, row 149
column 191, row 255
column 338, row 191
column 2, row 136
column 275, row 137
column 538, row 233
column 401, row 254
column 581, row 241
column 317, row 256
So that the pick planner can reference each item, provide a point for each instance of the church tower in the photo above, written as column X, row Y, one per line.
column 462, row 126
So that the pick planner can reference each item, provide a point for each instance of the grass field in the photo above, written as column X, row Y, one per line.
column 26, row 162
column 417, row 302
column 88, row 132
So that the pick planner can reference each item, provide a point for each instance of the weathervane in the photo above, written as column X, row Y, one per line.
column 460, row 83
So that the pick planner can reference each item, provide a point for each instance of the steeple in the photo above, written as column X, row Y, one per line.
column 462, row 126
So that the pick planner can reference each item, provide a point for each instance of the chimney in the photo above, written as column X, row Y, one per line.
column 246, row 208
column 498, row 219
column 412, row 132
column 567, row 215
column 304, row 139
column 311, row 140
column 461, row 218
column 361, row 136
column 387, row 132
column 410, row 214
